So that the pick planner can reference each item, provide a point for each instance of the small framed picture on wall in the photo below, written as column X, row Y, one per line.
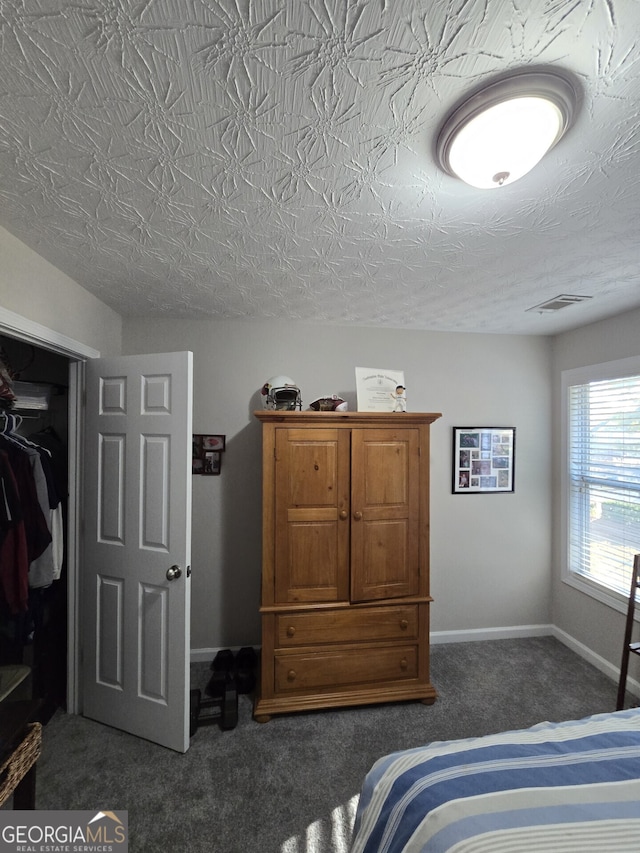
column 213, row 442
column 206, row 456
column 212, row 462
column 483, row 460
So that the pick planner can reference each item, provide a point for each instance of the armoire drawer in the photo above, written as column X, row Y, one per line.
column 338, row 669
column 359, row 625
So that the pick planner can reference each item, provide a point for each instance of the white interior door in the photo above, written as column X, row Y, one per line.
column 137, row 528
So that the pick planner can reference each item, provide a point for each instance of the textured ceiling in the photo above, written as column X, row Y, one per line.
column 258, row 159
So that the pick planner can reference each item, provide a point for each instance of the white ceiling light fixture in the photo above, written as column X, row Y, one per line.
column 502, row 131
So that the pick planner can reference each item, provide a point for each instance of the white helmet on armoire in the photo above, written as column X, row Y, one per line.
column 281, row 392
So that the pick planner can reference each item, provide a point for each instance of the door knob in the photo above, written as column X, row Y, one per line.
column 174, row 573
column 357, row 515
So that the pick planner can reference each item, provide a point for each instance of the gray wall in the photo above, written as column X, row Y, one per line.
column 591, row 623
column 492, row 560
column 32, row 287
column 490, row 554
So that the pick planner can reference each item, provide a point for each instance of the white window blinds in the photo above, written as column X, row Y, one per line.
column 604, row 480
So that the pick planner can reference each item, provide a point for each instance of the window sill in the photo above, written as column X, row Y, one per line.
column 612, row 599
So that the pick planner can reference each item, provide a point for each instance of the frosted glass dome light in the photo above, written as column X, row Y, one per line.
column 500, row 133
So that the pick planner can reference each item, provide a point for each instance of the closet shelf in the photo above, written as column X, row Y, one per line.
column 32, row 395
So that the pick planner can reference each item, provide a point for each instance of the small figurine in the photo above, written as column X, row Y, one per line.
column 400, row 399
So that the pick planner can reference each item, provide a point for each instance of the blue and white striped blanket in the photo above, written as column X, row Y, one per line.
column 569, row 787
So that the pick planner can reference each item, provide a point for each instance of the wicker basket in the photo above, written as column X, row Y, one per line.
column 21, row 760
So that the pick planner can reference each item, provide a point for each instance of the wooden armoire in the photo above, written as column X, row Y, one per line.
column 345, row 560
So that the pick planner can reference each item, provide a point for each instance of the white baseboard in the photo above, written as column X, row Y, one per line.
column 207, row 655
column 469, row 636
column 596, row 660
column 203, row 655
column 474, row 635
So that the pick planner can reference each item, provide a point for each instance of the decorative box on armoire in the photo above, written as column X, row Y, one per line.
column 345, row 560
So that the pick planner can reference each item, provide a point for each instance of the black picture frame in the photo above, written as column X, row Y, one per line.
column 483, row 460
column 212, row 462
column 206, row 454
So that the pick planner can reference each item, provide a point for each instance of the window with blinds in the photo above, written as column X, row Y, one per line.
column 603, row 479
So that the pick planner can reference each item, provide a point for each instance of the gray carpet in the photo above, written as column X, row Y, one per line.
column 291, row 785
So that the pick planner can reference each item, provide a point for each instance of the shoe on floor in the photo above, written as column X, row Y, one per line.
column 246, row 665
column 223, row 667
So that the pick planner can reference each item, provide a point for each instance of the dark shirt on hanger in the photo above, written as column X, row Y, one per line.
column 14, row 561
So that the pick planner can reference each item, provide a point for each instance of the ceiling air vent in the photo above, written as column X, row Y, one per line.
column 557, row 303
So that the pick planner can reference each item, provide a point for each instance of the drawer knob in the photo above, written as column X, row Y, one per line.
column 291, row 631
column 403, row 664
column 404, row 624
column 291, row 675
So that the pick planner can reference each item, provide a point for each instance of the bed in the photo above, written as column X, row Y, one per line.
column 572, row 787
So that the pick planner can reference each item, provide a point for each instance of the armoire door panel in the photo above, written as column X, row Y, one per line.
column 311, row 555
column 385, row 503
column 312, row 562
column 385, row 468
column 312, row 473
column 386, row 568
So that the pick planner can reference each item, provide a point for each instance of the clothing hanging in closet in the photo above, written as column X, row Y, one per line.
column 31, row 550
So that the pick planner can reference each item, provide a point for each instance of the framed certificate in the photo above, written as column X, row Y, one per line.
column 380, row 390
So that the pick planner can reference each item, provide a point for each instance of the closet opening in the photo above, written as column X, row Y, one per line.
column 34, row 514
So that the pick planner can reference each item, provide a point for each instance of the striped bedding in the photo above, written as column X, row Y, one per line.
column 570, row 787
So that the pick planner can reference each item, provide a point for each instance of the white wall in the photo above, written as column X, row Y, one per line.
column 490, row 554
column 595, row 625
column 32, row 287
